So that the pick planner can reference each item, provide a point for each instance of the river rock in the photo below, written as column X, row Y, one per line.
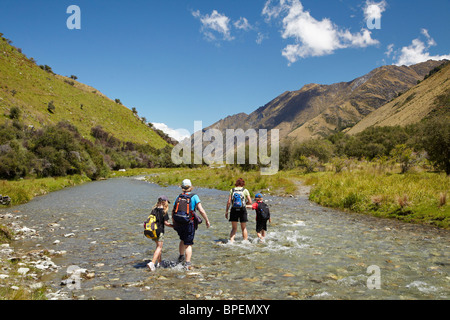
column 36, row 286
column 23, row 271
column 288, row 275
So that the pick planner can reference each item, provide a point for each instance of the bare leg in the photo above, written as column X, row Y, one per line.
column 233, row 230
column 244, row 230
column 158, row 252
column 188, row 251
column 182, row 248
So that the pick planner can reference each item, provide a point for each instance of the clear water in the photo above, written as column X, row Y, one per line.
column 310, row 252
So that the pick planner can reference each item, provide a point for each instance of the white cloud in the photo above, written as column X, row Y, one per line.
column 374, row 10
column 273, row 11
column 389, row 50
column 214, row 23
column 243, row 24
column 312, row 37
column 430, row 41
column 177, row 134
column 417, row 51
column 260, row 37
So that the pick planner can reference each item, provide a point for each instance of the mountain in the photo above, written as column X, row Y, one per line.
column 412, row 106
column 319, row 110
column 45, row 98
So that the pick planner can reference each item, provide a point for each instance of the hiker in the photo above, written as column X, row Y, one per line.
column 159, row 210
column 186, row 220
column 238, row 213
column 262, row 216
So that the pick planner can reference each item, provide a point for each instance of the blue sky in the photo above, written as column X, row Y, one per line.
column 181, row 61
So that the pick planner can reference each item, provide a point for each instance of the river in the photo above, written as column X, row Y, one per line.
column 310, row 252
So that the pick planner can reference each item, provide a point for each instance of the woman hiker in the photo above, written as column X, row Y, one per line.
column 237, row 200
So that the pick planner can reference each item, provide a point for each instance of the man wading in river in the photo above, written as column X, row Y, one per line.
column 185, row 220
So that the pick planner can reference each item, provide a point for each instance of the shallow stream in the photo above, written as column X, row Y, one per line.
column 310, row 252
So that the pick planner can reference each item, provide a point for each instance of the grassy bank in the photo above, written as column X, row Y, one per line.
column 24, row 190
column 282, row 183
column 412, row 197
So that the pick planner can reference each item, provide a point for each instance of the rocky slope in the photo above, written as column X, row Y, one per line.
column 412, row 106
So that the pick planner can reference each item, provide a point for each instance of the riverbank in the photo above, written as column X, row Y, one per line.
column 24, row 190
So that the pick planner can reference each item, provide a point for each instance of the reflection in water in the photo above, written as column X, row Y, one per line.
column 310, row 252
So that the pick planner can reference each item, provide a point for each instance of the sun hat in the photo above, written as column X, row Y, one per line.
column 186, row 183
column 258, row 195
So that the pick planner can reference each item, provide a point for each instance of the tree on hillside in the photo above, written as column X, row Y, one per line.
column 14, row 113
column 405, row 156
column 436, row 142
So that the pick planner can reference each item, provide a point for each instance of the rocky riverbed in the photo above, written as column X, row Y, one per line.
column 24, row 269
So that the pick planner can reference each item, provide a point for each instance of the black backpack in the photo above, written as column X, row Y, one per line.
column 182, row 212
column 263, row 211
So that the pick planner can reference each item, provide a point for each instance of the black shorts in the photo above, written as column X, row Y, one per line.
column 261, row 225
column 186, row 232
column 238, row 215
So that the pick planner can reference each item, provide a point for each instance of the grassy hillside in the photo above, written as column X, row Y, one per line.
column 25, row 85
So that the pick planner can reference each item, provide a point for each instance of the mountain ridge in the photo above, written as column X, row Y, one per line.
column 318, row 110
column 411, row 106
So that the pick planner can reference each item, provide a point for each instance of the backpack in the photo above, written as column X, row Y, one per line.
column 182, row 212
column 263, row 210
column 237, row 198
column 151, row 229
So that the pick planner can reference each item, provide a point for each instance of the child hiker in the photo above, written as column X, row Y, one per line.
column 262, row 216
column 161, row 219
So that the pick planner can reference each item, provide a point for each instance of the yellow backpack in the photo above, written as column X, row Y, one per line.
column 151, row 227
